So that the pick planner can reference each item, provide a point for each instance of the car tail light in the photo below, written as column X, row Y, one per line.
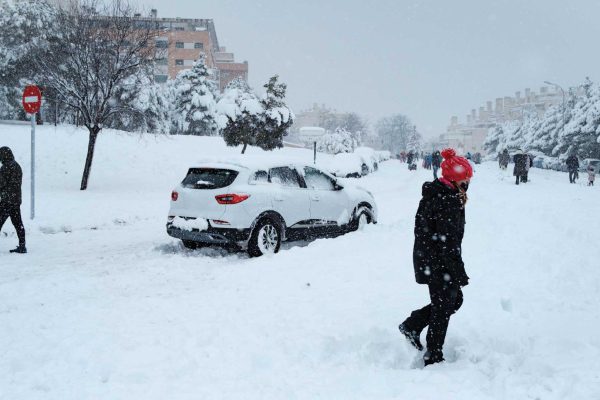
column 231, row 198
column 174, row 195
column 219, row 222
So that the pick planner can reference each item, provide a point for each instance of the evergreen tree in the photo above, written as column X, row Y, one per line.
column 195, row 100
column 239, row 114
column 276, row 117
column 414, row 141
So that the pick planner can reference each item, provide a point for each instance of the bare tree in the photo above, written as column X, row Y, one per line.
column 102, row 47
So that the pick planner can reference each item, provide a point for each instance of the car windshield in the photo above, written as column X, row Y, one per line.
column 208, row 178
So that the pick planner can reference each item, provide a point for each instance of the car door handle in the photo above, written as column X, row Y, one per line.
column 278, row 198
column 315, row 198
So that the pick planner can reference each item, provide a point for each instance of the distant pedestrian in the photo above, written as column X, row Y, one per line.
column 572, row 167
column 505, row 159
column 591, row 175
column 520, row 170
column 439, row 229
column 436, row 160
column 11, row 178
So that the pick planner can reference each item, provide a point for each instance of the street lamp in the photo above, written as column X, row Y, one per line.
column 563, row 96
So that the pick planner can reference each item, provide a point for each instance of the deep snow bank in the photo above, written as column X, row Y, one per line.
column 123, row 312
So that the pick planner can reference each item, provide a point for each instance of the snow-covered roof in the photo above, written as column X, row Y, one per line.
column 250, row 162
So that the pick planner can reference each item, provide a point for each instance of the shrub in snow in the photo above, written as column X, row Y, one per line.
column 195, row 94
column 340, row 141
column 239, row 114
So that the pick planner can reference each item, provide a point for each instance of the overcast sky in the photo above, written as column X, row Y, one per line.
column 426, row 59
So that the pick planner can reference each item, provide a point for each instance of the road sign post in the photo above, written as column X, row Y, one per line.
column 32, row 101
column 311, row 134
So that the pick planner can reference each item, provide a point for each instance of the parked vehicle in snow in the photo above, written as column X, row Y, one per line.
column 348, row 165
column 369, row 157
column 256, row 207
column 594, row 162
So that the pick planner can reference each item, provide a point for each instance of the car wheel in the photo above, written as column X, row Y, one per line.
column 265, row 238
column 188, row 244
column 361, row 219
column 364, row 169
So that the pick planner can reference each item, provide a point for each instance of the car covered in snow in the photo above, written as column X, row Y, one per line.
column 594, row 162
column 348, row 165
column 256, row 206
column 369, row 157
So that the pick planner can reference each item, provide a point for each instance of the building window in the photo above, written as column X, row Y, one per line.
column 179, row 28
column 178, row 62
column 160, row 78
column 161, row 61
column 179, row 45
column 198, row 45
column 162, row 44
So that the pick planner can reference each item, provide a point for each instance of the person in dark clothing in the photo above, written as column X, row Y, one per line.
column 437, row 259
column 11, row 177
column 520, row 170
column 436, row 160
column 572, row 167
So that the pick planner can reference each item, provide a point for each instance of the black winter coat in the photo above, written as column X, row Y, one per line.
column 520, row 161
column 436, row 160
column 572, row 163
column 11, row 178
column 439, row 229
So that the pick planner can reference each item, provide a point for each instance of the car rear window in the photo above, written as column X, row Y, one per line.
column 209, row 178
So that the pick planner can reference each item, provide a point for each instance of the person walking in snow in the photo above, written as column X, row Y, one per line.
column 505, row 159
column 591, row 175
column 572, row 167
column 439, row 229
column 520, row 169
column 436, row 160
column 11, row 177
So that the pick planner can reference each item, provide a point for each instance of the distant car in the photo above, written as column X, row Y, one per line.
column 369, row 157
column 590, row 161
column 348, row 165
column 256, row 207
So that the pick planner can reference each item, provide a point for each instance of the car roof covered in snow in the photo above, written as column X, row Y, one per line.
column 252, row 163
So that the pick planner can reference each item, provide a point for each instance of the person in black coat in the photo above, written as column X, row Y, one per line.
column 520, row 170
column 437, row 259
column 572, row 167
column 11, row 177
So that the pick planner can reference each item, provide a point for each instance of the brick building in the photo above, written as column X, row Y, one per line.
column 182, row 41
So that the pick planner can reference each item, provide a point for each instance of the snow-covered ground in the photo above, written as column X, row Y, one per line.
column 107, row 306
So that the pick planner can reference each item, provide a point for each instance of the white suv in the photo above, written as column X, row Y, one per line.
column 257, row 207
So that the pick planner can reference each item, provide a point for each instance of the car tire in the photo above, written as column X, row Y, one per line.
column 189, row 244
column 364, row 170
column 265, row 238
column 360, row 220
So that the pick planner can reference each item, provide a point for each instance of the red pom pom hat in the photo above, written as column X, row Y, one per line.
column 455, row 168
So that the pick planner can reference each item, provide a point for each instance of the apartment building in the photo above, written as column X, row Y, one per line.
column 183, row 40
column 470, row 135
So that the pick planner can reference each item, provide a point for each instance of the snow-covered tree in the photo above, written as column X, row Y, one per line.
column 394, row 132
column 340, row 141
column 276, row 116
column 239, row 114
column 86, row 68
column 195, row 94
column 414, row 141
column 145, row 106
column 27, row 30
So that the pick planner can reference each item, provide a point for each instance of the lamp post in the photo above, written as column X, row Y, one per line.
column 563, row 97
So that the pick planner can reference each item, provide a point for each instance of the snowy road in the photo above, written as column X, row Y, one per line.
column 118, row 310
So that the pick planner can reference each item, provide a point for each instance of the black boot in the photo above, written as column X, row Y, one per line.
column 412, row 336
column 433, row 357
column 21, row 249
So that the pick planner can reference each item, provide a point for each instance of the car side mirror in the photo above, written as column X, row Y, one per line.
column 337, row 186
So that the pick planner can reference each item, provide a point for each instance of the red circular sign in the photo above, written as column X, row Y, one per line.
column 32, row 99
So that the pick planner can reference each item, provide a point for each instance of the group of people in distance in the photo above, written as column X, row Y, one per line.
column 523, row 162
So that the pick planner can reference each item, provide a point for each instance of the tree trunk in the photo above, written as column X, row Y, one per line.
column 90, row 157
column 244, row 148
